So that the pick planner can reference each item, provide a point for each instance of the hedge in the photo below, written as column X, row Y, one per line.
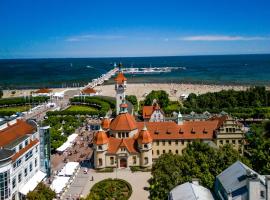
column 18, row 101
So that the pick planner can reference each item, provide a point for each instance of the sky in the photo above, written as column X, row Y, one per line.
column 123, row 28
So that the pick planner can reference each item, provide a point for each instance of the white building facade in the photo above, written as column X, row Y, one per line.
column 19, row 159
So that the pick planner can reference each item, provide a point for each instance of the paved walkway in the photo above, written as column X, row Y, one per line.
column 82, row 183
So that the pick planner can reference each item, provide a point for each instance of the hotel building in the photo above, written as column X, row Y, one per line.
column 124, row 142
column 24, row 157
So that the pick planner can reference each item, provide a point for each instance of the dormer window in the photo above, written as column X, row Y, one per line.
column 145, row 146
column 156, row 132
column 181, row 131
column 193, row 131
column 168, row 132
column 204, row 131
column 99, row 147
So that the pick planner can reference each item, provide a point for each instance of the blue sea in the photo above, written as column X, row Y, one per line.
column 68, row 72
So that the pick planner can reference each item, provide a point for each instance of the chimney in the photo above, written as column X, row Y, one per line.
column 254, row 191
column 267, row 181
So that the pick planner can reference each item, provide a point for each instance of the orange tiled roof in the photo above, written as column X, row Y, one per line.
column 144, row 136
column 15, row 131
column 147, row 111
column 101, row 138
column 106, row 123
column 189, row 130
column 89, row 91
column 120, row 78
column 22, row 151
column 116, row 143
column 123, row 122
column 43, row 90
column 220, row 119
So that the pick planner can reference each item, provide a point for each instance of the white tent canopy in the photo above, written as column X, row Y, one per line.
column 69, row 169
column 32, row 183
column 59, row 183
column 68, row 143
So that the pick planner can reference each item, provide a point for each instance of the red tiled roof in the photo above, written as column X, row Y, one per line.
column 101, row 138
column 120, row 78
column 189, row 130
column 14, row 132
column 116, row 143
column 123, row 122
column 220, row 119
column 89, row 91
column 147, row 111
column 25, row 149
column 144, row 136
column 106, row 123
column 43, row 90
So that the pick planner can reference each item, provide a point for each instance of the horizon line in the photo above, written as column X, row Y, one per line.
column 102, row 57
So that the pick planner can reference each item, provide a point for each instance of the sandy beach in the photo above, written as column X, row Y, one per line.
column 174, row 90
column 141, row 90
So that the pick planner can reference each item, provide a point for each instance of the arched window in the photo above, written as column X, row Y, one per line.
column 145, row 160
column 100, row 162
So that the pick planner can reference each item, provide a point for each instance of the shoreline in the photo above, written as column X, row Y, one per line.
column 140, row 90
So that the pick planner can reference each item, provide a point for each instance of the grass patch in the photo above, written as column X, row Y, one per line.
column 106, row 170
column 78, row 108
column 7, row 111
column 110, row 189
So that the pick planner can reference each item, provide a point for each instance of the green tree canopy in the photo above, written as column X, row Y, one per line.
column 199, row 160
column 161, row 96
column 258, row 150
column 42, row 192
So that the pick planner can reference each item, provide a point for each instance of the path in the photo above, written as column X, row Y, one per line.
column 138, row 180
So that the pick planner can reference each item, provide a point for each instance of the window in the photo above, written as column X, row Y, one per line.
column 227, row 130
column 163, row 151
column 157, row 143
column 176, row 151
column 183, row 142
column 35, row 162
column 134, row 159
column 221, row 141
column 157, row 152
column 126, row 134
column 123, row 135
column 239, row 141
column 4, row 185
column 100, row 162
column 20, row 146
column 112, row 160
column 170, row 142
column 25, row 172
column 145, row 145
column 26, row 143
column 20, row 177
column 227, row 141
column 145, row 160
column 119, row 135
column 170, row 151
column 123, row 149
column 99, row 147
column 14, row 182
column 163, row 142
column 30, row 167
column 28, row 155
column 233, row 141
column 262, row 194
column 176, row 142
column 36, row 148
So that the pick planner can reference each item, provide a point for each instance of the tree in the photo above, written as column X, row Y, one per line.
column 42, row 192
column 133, row 100
column 161, row 96
column 199, row 160
column 258, row 150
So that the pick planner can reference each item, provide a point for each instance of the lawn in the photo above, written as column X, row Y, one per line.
column 15, row 109
column 110, row 189
column 81, row 108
